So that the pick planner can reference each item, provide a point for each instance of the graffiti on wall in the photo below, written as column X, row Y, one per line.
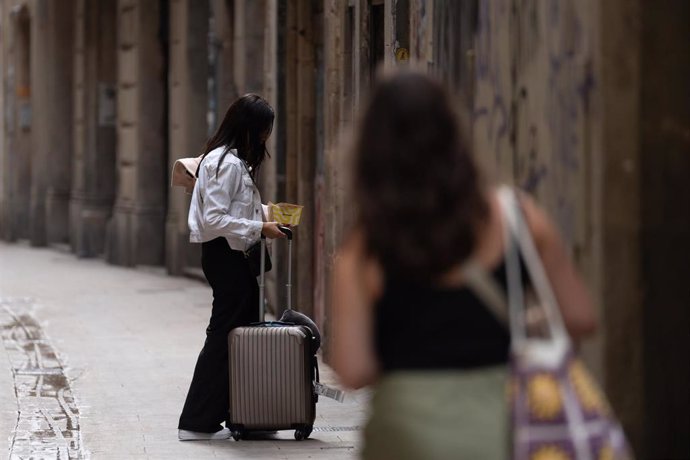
column 534, row 81
column 493, row 91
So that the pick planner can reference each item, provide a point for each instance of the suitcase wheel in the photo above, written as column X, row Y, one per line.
column 236, row 435
column 303, row 433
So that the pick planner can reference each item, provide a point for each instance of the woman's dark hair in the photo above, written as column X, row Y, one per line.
column 245, row 127
column 418, row 192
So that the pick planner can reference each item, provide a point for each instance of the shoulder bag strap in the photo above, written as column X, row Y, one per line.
column 535, row 269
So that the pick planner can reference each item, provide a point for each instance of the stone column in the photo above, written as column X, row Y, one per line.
column 7, row 67
column 250, row 17
column 361, row 49
column 255, row 59
column 421, row 28
column 17, row 165
column 40, row 75
column 269, row 181
column 389, row 34
column 223, row 27
column 188, row 94
column 136, row 230
column 51, row 76
column 261, row 76
column 254, row 66
column 93, row 177
column 300, row 88
column 59, row 133
column 334, row 13
column 3, row 150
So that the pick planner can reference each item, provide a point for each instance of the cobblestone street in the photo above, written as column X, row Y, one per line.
column 97, row 359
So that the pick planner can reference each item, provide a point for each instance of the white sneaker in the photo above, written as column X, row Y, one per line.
column 185, row 435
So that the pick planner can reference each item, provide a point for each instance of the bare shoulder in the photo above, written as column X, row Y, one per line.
column 354, row 260
column 351, row 250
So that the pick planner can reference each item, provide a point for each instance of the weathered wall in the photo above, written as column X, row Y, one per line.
column 665, row 224
column 494, row 89
column 580, row 104
column 547, row 78
column 620, row 288
column 534, row 89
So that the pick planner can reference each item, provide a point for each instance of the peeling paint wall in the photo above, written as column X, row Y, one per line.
column 572, row 103
column 536, row 116
column 533, row 113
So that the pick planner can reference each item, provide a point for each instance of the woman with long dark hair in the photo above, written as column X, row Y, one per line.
column 404, row 317
column 226, row 217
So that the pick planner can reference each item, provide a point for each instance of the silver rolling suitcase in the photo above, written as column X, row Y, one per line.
column 273, row 370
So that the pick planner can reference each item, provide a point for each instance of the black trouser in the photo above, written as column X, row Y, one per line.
column 235, row 303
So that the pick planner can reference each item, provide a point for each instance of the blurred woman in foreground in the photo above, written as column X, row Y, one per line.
column 404, row 320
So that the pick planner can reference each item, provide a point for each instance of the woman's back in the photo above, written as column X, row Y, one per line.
column 443, row 324
column 422, row 327
column 403, row 318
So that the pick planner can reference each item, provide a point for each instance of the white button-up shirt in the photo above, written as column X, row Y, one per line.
column 227, row 205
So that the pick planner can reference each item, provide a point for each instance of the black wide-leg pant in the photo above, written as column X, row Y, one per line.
column 235, row 303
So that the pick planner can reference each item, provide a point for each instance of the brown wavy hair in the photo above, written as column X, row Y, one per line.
column 418, row 192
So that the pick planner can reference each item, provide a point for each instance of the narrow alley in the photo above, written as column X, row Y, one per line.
column 96, row 362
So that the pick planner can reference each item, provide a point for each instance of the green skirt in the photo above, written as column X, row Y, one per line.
column 439, row 415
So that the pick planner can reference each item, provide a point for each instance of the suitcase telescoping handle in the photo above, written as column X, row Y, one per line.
column 262, row 277
column 288, row 286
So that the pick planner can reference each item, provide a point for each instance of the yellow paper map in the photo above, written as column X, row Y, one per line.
column 285, row 213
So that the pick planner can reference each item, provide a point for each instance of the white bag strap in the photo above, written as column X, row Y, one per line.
column 516, row 295
column 516, row 240
column 517, row 227
column 509, row 312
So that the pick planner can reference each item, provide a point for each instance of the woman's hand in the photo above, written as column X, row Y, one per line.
column 271, row 230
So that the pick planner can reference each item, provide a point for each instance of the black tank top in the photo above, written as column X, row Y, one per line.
column 421, row 327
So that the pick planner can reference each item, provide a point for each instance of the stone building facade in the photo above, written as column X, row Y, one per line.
column 579, row 102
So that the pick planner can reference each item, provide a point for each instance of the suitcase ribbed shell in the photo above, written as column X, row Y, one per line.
column 270, row 377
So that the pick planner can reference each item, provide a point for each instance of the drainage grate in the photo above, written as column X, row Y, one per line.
column 335, row 428
column 48, row 417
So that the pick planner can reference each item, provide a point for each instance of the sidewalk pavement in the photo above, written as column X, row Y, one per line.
column 96, row 361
